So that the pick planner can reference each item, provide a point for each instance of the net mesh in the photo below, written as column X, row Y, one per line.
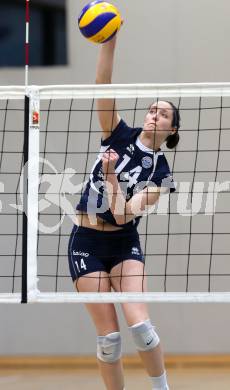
column 11, row 162
column 183, row 252
column 185, row 240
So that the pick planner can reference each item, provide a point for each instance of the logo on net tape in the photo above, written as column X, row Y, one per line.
column 35, row 119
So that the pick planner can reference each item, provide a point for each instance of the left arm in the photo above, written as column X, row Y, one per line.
column 122, row 210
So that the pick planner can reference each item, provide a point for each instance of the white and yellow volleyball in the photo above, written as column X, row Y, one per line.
column 99, row 21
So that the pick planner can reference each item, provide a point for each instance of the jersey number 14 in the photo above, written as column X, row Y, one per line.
column 132, row 175
column 80, row 265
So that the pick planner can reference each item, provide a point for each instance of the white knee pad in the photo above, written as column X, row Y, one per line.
column 109, row 347
column 144, row 335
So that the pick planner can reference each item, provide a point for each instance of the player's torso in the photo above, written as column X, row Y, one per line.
column 133, row 169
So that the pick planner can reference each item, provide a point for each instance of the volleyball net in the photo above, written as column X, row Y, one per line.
column 186, row 238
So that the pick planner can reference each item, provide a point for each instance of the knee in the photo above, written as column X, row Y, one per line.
column 109, row 347
column 144, row 335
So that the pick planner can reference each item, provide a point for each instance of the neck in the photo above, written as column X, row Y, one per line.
column 150, row 141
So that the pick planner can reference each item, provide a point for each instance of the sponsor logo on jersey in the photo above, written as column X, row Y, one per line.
column 100, row 174
column 83, row 254
column 130, row 148
column 147, row 162
column 135, row 251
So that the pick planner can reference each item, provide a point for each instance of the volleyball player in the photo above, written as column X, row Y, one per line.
column 128, row 176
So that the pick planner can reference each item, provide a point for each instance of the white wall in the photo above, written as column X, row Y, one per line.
column 167, row 41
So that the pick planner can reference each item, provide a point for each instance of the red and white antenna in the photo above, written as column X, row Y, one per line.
column 27, row 43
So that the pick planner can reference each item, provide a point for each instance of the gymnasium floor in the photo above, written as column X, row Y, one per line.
column 84, row 379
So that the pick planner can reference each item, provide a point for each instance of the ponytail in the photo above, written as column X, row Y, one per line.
column 172, row 140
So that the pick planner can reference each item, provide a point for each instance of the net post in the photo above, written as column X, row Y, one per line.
column 25, row 204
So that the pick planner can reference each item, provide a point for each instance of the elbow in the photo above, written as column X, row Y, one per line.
column 119, row 219
column 124, row 216
column 122, row 219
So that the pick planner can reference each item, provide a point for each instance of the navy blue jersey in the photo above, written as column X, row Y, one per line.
column 136, row 168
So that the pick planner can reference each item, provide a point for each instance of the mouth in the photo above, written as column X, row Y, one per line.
column 152, row 125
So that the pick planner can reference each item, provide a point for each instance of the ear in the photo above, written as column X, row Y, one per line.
column 173, row 131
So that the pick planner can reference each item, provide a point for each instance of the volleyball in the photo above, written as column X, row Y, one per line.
column 99, row 21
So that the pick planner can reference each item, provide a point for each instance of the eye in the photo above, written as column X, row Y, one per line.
column 164, row 114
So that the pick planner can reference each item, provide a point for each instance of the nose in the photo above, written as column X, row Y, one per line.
column 155, row 115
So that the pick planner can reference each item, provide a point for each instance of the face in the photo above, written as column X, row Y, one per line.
column 159, row 120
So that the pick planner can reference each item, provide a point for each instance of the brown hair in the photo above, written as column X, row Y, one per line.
column 173, row 139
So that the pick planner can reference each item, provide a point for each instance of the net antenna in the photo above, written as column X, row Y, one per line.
column 27, row 43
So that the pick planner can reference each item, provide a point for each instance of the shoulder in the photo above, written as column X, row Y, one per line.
column 162, row 163
column 122, row 134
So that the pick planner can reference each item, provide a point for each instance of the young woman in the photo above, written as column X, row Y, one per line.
column 129, row 175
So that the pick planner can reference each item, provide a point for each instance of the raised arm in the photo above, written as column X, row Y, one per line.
column 108, row 116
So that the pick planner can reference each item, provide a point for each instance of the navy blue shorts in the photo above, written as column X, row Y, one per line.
column 91, row 250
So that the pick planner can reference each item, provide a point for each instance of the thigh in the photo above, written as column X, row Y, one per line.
column 129, row 276
column 103, row 314
column 98, row 281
